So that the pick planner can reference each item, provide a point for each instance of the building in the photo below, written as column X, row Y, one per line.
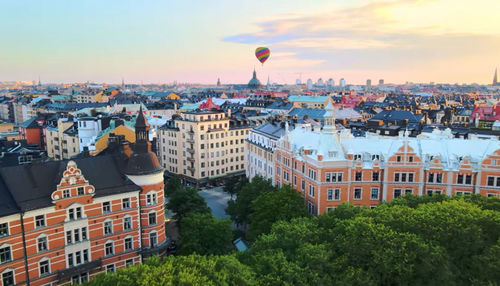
column 309, row 84
column 31, row 131
column 63, row 222
column 254, row 83
column 381, row 82
column 260, row 145
column 61, row 140
column 342, row 82
column 368, row 83
column 330, row 167
column 203, row 145
column 495, row 79
column 309, row 101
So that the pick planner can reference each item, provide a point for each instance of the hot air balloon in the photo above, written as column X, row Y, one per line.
column 262, row 54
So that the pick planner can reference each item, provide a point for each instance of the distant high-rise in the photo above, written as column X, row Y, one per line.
column 331, row 82
column 123, row 84
column 298, row 81
column 368, row 83
column 218, row 81
column 320, row 82
column 495, row 79
column 309, row 84
column 342, row 82
column 381, row 82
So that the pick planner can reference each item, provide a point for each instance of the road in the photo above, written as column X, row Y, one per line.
column 217, row 201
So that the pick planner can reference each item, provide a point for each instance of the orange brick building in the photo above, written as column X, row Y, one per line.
column 62, row 222
column 330, row 167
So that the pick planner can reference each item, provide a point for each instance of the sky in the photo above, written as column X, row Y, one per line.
column 445, row 41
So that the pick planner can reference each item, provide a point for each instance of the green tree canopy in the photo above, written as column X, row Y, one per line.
column 202, row 233
column 185, row 201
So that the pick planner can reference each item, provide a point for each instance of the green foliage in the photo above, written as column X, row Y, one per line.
column 181, row 270
column 205, row 234
column 185, row 201
column 173, row 185
column 233, row 185
column 270, row 207
column 241, row 208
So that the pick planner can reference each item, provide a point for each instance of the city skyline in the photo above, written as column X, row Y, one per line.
column 198, row 42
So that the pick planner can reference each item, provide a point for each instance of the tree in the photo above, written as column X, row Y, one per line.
column 241, row 208
column 202, row 233
column 234, row 184
column 270, row 207
column 185, row 201
column 181, row 270
column 173, row 185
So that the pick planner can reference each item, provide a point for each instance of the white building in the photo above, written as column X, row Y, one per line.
column 261, row 143
column 309, row 84
column 88, row 129
column 342, row 82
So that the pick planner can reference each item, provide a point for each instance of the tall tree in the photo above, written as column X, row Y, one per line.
column 241, row 208
column 204, row 234
column 173, row 185
column 270, row 207
column 185, row 201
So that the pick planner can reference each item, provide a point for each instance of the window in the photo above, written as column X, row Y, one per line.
column 375, row 176
column 439, row 178
column 468, row 179
column 312, row 174
column 285, row 176
column 65, row 193
column 126, row 203
column 408, row 191
column 4, row 229
column 333, row 194
column 81, row 191
column 106, row 207
column 396, row 177
column 374, row 194
column 430, row 178
column 152, row 218
column 40, row 220
column 358, row 176
column 69, row 237
column 108, row 227
column 303, row 185
column 85, row 255
column 151, row 199
column 77, row 234
column 333, row 177
column 5, row 254
column 80, row 279
column 129, row 262
column 84, row 233
column 295, row 180
column 42, row 243
column 410, row 159
column 110, row 268
column 8, row 278
column 44, row 267
column 108, row 248
column 410, row 177
column 432, row 192
column 128, row 243
column 460, row 179
column 310, row 207
column 397, row 193
column 153, row 239
column 357, row 194
column 398, row 159
column 127, row 223
column 311, row 191
column 491, row 181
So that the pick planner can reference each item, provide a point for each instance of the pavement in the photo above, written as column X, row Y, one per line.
column 216, row 200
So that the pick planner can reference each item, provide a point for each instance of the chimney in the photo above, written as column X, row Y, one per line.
column 86, row 152
column 229, row 112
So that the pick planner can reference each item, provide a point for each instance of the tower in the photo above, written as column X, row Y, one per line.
column 329, row 119
column 123, row 84
column 218, row 81
column 495, row 80
column 143, row 168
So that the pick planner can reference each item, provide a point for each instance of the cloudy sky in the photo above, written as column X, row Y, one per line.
column 199, row 41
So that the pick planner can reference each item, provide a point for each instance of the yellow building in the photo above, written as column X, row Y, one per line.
column 102, row 142
column 203, row 145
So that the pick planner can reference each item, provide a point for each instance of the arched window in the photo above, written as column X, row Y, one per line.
column 44, row 266
column 8, row 277
column 151, row 198
column 42, row 242
column 152, row 217
column 108, row 227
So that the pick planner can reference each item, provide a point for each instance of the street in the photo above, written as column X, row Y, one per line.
column 217, row 201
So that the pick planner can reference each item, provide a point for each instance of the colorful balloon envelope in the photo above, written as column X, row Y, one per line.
column 262, row 54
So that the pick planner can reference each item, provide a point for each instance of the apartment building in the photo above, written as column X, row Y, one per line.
column 330, row 167
column 203, row 145
column 261, row 142
column 62, row 140
column 63, row 222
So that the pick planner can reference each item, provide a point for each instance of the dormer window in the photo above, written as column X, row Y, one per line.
column 375, row 157
column 65, row 193
column 357, row 157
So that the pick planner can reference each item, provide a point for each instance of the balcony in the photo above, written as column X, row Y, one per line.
column 190, row 150
column 191, row 132
column 191, row 169
column 190, row 159
column 76, row 270
column 190, row 140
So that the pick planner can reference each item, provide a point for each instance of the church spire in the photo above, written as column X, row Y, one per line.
column 495, row 79
column 329, row 118
column 141, row 133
